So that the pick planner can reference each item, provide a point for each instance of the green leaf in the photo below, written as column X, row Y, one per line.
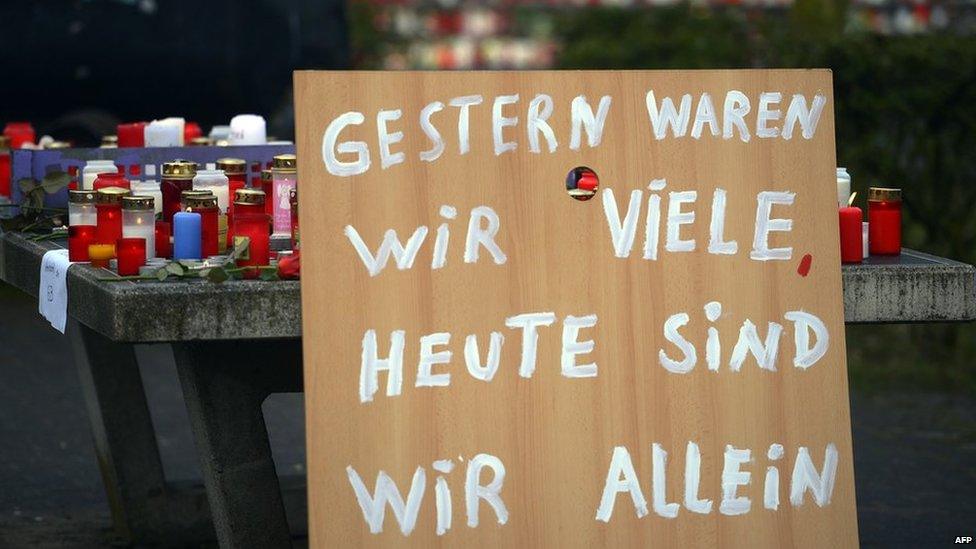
column 217, row 274
column 162, row 273
column 241, row 245
column 269, row 274
column 188, row 263
column 55, row 181
column 26, row 184
column 175, row 268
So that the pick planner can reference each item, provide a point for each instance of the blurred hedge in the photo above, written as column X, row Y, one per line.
column 906, row 117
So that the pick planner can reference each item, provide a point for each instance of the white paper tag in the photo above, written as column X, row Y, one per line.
column 52, row 295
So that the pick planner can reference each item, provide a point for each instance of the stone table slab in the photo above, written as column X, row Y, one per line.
column 912, row 287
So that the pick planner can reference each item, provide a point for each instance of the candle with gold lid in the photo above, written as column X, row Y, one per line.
column 139, row 221
column 110, row 142
column 108, row 205
column 177, row 177
column 284, row 176
column 251, row 222
column 884, row 221
column 206, row 206
column 249, row 200
column 81, row 208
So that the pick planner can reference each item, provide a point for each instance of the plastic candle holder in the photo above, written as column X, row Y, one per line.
column 132, row 255
column 79, row 238
column 108, row 203
column 81, row 208
column 110, row 179
column 284, row 178
column 884, row 221
column 149, row 188
column 92, row 169
column 266, row 185
column 139, row 221
column 4, row 165
column 164, row 247
column 187, row 236
column 252, row 223
column 100, row 254
column 217, row 183
column 177, row 177
column 206, row 206
column 236, row 171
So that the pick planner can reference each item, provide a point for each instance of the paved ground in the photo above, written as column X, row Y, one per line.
column 915, row 455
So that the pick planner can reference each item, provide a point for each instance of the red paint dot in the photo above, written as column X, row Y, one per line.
column 804, row 267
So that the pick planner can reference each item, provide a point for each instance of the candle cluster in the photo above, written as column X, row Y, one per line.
column 193, row 214
column 881, row 234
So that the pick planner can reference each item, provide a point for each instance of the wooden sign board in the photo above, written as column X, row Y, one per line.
column 491, row 362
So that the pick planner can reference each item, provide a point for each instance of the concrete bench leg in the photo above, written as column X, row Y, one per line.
column 224, row 384
column 144, row 508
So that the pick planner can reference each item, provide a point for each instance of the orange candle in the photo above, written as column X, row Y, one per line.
column 99, row 254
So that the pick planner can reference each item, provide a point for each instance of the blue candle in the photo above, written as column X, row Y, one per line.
column 186, row 235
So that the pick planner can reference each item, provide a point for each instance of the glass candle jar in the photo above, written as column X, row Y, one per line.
column 884, row 221
column 81, row 208
column 100, row 254
column 177, row 177
column 284, row 177
column 4, row 167
column 92, row 169
column 216, row 183
column 149, row 188
column 108, row 205
column 252, row 223
column 79, row 238
column 110, row 179
column 293, row 199
column 186, row 235
column 265, row 184
column 164, row 248
column 132, row 255
column 206, row 206
column 139, row 221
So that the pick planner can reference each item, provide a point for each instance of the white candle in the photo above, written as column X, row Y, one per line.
column 843, row 187
column 149, row 188
column 92, row 169
column 216, row 182
column 140, row 223
column 164, row 133
column 247, row 129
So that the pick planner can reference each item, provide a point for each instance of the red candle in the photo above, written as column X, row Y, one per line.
column 108, row 206
column 851, row 243
column 132, row 134
column 79, row 238
column 164, row 248
column 4, row 166
column 177, row 177
column 191, row 131
column 267, row 185
column 132, row 255
column 255, row 227
column 293, row 199
column 236, row 171
column 884, row 221
column 112, row 179
column 206, row 206
column 19, row 133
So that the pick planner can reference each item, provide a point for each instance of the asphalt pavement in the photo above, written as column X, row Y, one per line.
column 915, row 454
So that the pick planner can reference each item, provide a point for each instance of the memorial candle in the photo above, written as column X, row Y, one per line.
column 216, row 183
column 293, row 198
column 186, row 235
column 4, row 166
column 132, row 255
column 131, row 134
column 149, row 188
column 884, row 221
column 284, row 176
column 253, row 225
column 100, row 254
column 81, row 208
column 177, row 177
column 206, row 206
column 164, row 248
column 850, row 233
column 139, row 221
column 236, row 171
column 108, row 203
column 80, row 237
column 265, row 185
column 110, row 179
column 92, row 169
